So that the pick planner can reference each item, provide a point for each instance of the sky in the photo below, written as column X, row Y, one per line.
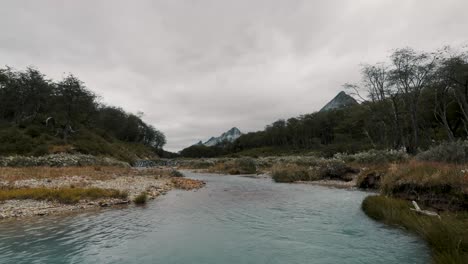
column 196, row 68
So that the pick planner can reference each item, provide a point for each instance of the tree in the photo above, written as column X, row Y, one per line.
column 412, row 72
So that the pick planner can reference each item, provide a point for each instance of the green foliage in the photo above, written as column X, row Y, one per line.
column 312, row 170
column 374, row 156
column 37, row 114
column 202, row 151
column 447, row 237
column 414, row 99
column 62, row 195
column 451, row 152
column 13, row 141
column 142, row 198
column 292, row 173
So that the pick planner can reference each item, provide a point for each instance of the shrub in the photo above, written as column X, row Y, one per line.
column 293, row 173
column 450, row 152
column 176, row 173
column 336, row 169
column 447, row 237
column 141, row 198
column 245, row 166
column 374, row 156
column 33, row 131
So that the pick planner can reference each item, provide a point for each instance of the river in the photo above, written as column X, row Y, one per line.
column 233, row 219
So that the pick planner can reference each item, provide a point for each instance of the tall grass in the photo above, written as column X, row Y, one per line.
column 447, row 237
column 62, row 195
column 141, row 198
column 293, row 173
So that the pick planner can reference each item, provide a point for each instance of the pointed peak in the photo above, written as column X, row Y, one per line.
column 341, row 100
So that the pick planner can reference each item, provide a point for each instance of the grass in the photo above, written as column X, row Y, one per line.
column 62, row 195
column 447, row 237
column 442, row 186
column 187, row 184
column 292, row 173
column 142, row 198
column 234, row 166
column 12, row 174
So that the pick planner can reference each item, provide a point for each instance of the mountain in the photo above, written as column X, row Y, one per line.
column 229, row 136
column 341, row 100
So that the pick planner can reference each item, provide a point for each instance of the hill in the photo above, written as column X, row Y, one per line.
column 39, row 116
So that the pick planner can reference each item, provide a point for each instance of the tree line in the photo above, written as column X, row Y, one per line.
column 65, row 109
column 413, row 100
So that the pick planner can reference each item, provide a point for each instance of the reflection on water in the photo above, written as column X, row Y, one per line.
column 232, row 220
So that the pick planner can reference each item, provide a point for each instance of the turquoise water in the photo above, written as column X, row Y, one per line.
column 232, row 220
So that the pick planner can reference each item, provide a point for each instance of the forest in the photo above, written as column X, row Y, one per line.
column 40, row 116
column 412, row 101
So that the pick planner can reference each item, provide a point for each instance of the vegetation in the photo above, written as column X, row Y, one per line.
column 142, row 198
column 40, row 116
column 12, row 174
column 374, row 157
column 440, row 186
column 62, row 195
column 187, row 184
column 293, row 173
column 450, row 152
column 414, row 100
column 447, row 237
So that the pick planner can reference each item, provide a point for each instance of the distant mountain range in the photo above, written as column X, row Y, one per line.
column 341, row 100
column 228, row 136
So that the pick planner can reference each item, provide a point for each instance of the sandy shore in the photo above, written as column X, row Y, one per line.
column 153, row 182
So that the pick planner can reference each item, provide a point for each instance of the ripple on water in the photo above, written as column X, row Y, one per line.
column 231, row 220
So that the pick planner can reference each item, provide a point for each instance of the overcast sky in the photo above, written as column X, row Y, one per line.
column 197, row 67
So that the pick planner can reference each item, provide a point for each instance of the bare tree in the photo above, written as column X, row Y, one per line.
column 412, row 73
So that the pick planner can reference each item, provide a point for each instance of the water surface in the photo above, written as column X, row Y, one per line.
column 232, row 220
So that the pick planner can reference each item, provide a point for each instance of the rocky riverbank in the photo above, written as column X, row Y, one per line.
column 153, row 182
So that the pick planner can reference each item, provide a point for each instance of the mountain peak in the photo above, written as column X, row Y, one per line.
column 228, row 136
column 341, row 100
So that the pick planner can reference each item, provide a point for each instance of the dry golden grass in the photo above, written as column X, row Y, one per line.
column 187, row 184
column 12, row 174
column 426, row 174
column 62, row 195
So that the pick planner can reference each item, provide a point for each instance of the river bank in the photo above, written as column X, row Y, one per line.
column 129, row 182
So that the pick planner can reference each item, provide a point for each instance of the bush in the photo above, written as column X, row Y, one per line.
column 245, row 166
column 293, row 173
column 141, row 198
column 450, row 152
column 447, row 237
column 176, row 173
column 374, row 156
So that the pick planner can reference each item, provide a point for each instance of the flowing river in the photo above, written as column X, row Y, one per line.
column 232, row 220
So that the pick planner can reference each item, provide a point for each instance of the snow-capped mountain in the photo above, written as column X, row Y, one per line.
column 341, row 100
column 229, row 136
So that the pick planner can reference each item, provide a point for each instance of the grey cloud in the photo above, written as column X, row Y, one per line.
column 197, row 68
